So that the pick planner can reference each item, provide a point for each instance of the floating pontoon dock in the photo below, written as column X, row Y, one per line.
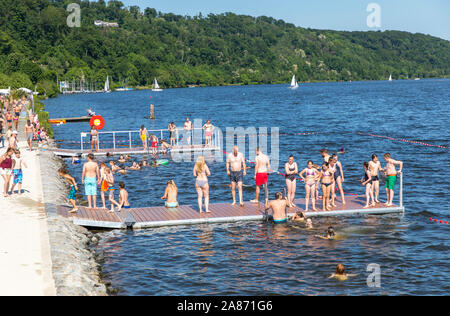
column 139, row 218
column 129, row 142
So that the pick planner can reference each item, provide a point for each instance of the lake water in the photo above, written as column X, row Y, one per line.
column 259, row 258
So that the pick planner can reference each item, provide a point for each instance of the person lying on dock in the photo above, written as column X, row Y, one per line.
column 165, row 146
column 340, row 273
column 73, row 188
column 135, row 166
column 278, row 207
column 170, row 195
column 90, row 112
column 123, row 197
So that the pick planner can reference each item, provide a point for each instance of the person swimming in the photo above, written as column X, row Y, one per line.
column 330, row 234
column 340, row 273
column 300, row 217
column 135, row 166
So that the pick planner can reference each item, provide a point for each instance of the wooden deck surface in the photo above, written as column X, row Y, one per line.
column 223, row 212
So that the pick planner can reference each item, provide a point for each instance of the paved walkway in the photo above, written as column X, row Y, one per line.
column 25, row 261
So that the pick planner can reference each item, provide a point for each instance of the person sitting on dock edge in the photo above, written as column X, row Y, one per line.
column 170, row 195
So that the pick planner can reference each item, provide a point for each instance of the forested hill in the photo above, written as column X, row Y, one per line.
column 36, row 44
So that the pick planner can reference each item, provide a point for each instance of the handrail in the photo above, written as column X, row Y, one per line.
column 215, row 141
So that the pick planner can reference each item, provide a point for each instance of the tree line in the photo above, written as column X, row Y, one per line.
column 37, row 47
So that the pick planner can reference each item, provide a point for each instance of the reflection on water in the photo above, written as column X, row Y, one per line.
column 259, row 258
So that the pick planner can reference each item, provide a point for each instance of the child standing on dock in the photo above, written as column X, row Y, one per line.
column 73, row 188
column 108, row 185
column 143, row 133
column 367, row 181
column 17, row 172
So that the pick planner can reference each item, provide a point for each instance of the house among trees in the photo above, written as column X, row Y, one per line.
column 106, row 24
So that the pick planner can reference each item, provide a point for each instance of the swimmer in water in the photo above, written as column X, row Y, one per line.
column 340, row 273
column 135, row 166
column 278, row 207
column 121, row 159
column 143, row 163
column 342, row 151
column 300, row 217
column 310, row 184
column 114, row 166
column 331, row 235
column 76, row 160
column 170, row 195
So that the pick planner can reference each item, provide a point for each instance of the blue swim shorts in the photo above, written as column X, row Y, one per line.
column 18, row 176
column 90, row 186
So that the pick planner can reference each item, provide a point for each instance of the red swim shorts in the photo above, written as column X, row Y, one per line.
column 261, row 178
column 154, row 144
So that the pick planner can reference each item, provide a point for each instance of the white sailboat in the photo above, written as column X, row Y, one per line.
column 390, row 77
column 107, row 90
column 294, row 84
column 156, row 87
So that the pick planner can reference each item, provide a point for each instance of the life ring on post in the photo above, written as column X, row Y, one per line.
column 97, row 121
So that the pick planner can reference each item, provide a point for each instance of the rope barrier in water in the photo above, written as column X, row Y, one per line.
column 439, row 221
column 403, row 140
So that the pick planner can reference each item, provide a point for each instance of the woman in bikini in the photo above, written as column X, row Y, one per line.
column 336, row 167
column 291, row 170
column 94, row 138
column 310, row 184
column 327, row 178
column 367, row 181
column 201, row 172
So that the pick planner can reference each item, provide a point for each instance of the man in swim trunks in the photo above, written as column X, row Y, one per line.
column 29, row 132
column 188, row 130
column 391, row 177
column 236, row 169
column 278, row 207
column 262, row 168
column 91, row 178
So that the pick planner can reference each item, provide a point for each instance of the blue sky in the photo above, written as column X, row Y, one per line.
column 416, row 16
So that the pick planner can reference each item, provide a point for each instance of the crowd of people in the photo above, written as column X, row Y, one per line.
column 11, row 162
column 327, row 178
